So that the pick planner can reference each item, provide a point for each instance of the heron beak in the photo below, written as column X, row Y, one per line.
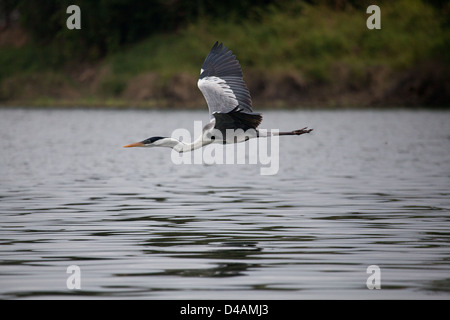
column 137, row 144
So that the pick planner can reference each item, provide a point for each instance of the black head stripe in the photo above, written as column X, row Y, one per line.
column 151, row 140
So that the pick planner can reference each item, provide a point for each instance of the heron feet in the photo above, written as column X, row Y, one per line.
column 302, row 131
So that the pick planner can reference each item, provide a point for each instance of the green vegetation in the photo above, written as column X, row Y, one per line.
column 314, row 47
column 299, row 36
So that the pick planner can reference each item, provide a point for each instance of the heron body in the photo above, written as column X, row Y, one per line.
column 230, row 106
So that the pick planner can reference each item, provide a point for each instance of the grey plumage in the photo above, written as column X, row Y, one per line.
column 222, row 84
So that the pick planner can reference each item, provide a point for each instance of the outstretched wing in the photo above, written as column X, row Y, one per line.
column 222, row 84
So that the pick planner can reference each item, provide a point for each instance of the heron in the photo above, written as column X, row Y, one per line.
column 232, row 119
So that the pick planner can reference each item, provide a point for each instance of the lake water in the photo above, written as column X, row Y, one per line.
column 364, row 188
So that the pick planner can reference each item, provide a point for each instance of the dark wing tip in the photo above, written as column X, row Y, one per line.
column 221, row 62
column 218, row 48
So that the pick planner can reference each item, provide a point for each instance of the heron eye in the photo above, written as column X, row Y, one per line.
column 213, row 138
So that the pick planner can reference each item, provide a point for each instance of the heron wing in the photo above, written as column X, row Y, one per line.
column 236, row 119
column 222, row 83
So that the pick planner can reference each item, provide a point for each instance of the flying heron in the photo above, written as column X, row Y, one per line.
column 230, row 106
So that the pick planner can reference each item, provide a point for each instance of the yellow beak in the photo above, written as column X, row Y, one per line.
column 137, row 144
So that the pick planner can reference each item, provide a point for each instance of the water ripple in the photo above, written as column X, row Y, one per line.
column 139, row 226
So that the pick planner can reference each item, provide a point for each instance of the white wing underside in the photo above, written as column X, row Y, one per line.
column 218, row 94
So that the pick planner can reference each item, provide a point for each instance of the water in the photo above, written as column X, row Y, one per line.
column 365, row 188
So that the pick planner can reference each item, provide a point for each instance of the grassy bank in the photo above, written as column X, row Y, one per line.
column 296, row 55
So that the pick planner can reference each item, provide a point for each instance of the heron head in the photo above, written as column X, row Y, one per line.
column 150, row 142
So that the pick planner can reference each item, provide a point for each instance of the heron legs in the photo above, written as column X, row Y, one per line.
column 295, row 132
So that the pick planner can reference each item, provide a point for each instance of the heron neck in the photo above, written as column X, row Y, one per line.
column 180, row 146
